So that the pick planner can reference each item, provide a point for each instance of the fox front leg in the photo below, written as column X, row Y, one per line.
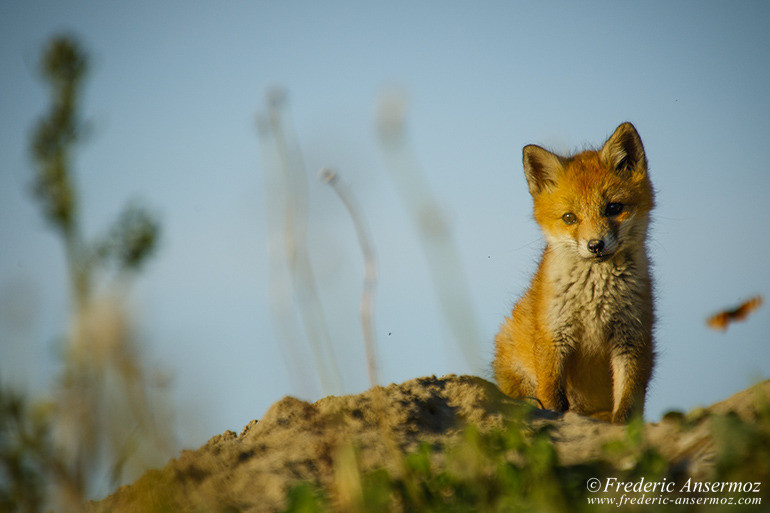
column 551, row 380
column 631, row 370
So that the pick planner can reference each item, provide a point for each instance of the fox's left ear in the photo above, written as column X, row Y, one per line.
column 624, row 151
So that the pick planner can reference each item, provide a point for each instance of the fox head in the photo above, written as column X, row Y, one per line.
column 595, row 203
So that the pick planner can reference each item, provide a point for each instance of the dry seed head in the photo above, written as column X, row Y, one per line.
column 328, row 175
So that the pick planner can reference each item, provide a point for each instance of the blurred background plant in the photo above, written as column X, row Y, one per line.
column 105, row 420
column 433, row 227
column 294, row 296
column 366, row 310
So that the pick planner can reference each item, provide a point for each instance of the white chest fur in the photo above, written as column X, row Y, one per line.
column 591, row 296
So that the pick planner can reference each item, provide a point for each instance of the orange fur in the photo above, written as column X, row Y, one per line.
column 581, row 336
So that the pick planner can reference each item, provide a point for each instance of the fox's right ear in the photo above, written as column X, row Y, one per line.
column 541, row 167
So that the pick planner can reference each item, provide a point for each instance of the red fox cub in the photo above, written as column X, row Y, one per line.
column 580, row 338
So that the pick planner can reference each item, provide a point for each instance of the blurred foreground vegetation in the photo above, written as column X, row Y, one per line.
column 99, row 424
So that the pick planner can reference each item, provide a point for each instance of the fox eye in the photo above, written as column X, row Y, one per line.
column 613, row 209
column 569, row 218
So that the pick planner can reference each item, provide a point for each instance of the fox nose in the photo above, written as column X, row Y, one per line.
column 595, row 245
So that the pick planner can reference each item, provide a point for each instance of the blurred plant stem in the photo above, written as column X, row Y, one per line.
column 330, row 177
column 64, row 67
column 133, row 237
column 446, row 269
column 102, row 417
column 278, row 139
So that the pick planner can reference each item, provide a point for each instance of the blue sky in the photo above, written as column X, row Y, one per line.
column 173, row 94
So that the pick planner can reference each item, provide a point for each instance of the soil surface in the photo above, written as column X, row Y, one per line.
column 298, row 441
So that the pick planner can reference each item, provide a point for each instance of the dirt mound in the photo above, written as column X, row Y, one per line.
column 297, row 441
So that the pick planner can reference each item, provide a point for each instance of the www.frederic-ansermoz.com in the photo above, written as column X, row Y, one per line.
column 614, row 491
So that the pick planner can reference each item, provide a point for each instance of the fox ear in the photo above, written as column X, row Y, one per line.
column 624, row 151
column 541, row 168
